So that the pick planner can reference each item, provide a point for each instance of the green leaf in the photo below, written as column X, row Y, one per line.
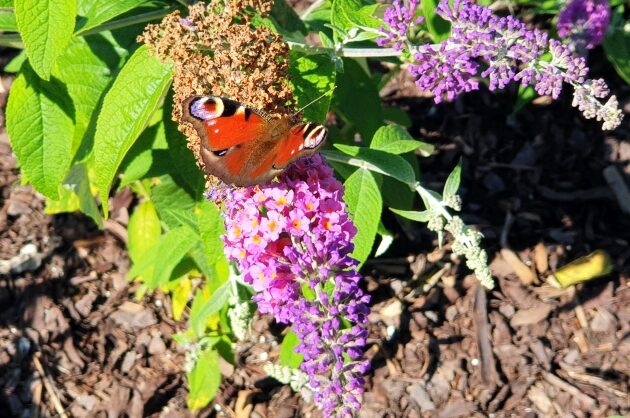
column 143, row 231
column 173, row 202
column 365, row 205
column 356, row 100
column 94, row 12
column 347, row 14
column 216, row 302
column 87, row 74
column 617, row 47
column 7, row 21
column 127, row 108
column 40, row 126
column 211, row 229
column 289, row 24
column 378, row 161
column 176, row 243
column 396, row 116
column 413, row 215
column 182, row 159
column 439, row 28
column 288, row 357
column 452, row 182
column 395, row 139
column 75, row 194
column 204, row 379
column 148, row 157
column 311, row 76
column 46, row 28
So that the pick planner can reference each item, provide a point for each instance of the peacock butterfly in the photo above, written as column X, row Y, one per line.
column 242, row 146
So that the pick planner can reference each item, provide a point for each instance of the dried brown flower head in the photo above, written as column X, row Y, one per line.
column 217, row 50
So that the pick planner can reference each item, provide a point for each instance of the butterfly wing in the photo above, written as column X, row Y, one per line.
column 301, row 140
column 222, row 123
column 242, row 147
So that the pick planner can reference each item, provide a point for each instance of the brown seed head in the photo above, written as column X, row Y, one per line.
column 217, row 50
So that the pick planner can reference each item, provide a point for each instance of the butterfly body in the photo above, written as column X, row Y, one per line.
column 242, row 146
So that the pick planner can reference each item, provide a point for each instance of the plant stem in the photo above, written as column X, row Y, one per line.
column 127, row 21
column 345, row 52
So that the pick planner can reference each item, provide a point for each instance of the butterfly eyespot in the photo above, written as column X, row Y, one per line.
column 314, row 136
column 204, row 108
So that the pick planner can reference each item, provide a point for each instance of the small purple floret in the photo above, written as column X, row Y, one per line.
column 583, row 23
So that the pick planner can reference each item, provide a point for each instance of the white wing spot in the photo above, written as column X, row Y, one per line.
column 216, row 131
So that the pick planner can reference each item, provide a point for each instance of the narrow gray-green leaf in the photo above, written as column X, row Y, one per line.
column 46, row 27
column 452, row 182
column 127, row 108
column 40, row 126
column 364, row 205
column 418, row 216
column 387, row 238
column 395, row 139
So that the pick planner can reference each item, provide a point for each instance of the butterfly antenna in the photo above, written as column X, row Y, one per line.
column 297, row 112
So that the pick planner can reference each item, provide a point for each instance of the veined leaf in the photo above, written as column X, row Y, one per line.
column 40, row 126
column 7, row 21
column 312, row 76
column 127, row 107
column 365, row 205
column 174, row 204
column 45, row 28
column 75, row 194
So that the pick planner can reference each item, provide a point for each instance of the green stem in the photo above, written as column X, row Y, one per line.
column 345, row 52
column 126, row 21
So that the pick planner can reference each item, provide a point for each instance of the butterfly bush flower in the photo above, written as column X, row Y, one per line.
column 504, row 49
column 399, row 19
column 292, row 241
column 583, row 23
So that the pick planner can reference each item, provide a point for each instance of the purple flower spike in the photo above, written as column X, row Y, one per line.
column 293, row 235
column 399, row 18
column 583, row 23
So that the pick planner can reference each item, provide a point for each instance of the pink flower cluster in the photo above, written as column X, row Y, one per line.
column 292, row 241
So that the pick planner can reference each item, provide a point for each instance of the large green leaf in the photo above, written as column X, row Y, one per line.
column 312, row 76
column 204, row 379
column 174, row 204
column 347, row 14
column 94, row 12
column 127, row 107
column 46, row 28
column 40, row 126
column 86, row 74
column 365, row 205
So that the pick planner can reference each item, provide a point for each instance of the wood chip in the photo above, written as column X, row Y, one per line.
column 524, row 273
column 530, row 316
